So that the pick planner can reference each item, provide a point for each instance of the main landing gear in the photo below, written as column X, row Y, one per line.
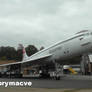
column 57, row 71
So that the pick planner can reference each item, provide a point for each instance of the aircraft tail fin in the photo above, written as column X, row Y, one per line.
column 25, row 56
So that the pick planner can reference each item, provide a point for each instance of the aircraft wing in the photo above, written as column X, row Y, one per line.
column 28, row 60
column 11, row 63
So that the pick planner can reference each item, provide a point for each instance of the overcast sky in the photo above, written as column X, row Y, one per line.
column 42, row 22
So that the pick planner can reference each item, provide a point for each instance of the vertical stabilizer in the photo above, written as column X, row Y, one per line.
column 25, row 56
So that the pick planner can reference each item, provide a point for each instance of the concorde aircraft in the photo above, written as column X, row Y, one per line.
column 79, row 44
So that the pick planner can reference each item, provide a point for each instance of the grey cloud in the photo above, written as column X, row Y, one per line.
column 42, row 22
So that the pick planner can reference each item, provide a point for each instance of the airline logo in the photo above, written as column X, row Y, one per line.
column 24, row 51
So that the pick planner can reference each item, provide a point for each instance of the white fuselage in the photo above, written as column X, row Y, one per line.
column 77, row 45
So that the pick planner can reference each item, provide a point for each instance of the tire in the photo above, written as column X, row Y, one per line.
column 57, row 78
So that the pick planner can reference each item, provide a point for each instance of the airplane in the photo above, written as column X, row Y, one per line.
column 79, row 44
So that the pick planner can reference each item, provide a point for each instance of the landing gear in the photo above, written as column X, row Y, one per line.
column 44, row 72
column 57, row 71
column 85, row 65
column 57, row 77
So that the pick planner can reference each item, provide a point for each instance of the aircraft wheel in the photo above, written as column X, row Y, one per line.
column 57, row 77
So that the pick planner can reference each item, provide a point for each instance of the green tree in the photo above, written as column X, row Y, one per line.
column 31, row 49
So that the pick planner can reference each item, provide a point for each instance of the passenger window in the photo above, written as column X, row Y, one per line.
column 81, row 38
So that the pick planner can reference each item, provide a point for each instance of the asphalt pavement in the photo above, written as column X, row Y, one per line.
column 65, row 82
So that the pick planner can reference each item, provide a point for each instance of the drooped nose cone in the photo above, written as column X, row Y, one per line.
column 83, row 31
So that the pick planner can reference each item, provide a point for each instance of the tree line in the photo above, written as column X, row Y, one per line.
column 10, row 53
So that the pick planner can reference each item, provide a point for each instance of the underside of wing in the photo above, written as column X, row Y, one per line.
column 11, row 63
column 30, row 60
